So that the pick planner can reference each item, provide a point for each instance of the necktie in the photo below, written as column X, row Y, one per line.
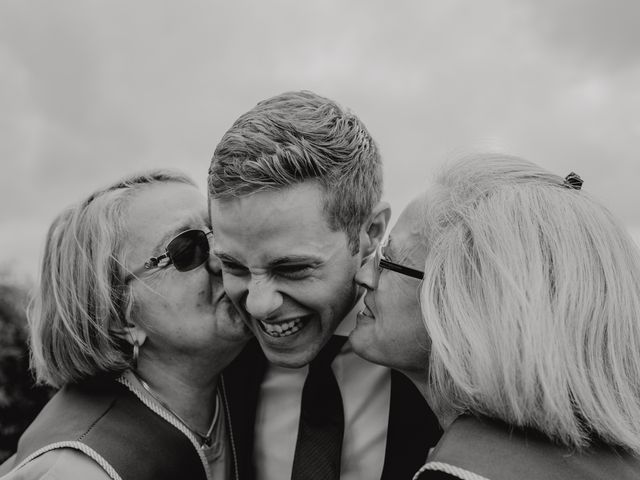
column 321, row 427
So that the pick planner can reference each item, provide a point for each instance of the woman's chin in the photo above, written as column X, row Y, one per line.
column 364, row 345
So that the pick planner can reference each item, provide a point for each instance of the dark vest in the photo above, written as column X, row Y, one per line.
column 493, row 450
column 412, row 427
column 106, row 417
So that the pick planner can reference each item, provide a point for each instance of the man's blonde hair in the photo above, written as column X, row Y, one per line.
column 82, row 299
column 296, row 137
column 531, row 298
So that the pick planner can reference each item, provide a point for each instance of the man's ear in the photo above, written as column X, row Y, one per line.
column 374, row 228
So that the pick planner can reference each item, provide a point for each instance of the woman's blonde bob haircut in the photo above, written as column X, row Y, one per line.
column 82, row 300
column 531, row 298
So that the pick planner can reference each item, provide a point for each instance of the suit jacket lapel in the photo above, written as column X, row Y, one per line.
column 413, row 429
column 242, row 380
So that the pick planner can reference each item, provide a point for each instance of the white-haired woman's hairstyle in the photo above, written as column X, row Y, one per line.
column 531, row 298
column 82, row 299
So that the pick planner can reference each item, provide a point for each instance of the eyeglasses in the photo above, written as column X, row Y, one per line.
column 381, row 263
column 185, row 251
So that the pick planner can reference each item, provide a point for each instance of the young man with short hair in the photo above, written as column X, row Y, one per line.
column 295, row 191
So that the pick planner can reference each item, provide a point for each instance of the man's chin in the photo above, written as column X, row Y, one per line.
column 284, row 354
column 289, row 359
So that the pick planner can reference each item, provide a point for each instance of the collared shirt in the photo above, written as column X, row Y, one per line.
column 366, row 391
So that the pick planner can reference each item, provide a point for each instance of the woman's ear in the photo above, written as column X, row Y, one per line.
column 374, row 228
column 131, row 334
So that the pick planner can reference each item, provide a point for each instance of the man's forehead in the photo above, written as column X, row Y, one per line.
column 272, row 244
column 270, row 214
column 306, row 196
column 276, row 247
column 266, row 226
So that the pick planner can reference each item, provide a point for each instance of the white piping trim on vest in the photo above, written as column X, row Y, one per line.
column 450, row 469
column 161, row 412
column 95, row 456
column 227, row 412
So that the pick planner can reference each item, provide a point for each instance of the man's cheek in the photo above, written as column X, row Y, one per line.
column 233, row 288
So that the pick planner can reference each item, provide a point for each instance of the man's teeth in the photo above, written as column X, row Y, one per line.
column 282, row 329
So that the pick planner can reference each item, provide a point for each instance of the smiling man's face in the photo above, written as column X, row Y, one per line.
column 285, row 269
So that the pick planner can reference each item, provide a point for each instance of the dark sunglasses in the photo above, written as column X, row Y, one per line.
column 186, row 251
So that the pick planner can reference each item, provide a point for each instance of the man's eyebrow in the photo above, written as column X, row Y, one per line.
column 293, row 259
column 286, row 260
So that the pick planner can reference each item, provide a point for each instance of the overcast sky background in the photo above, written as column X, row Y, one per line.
column 94, row 90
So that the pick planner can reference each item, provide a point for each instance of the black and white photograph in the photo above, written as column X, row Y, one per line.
column 357, row 240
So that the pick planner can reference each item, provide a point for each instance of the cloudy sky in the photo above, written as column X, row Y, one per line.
column 93, row 90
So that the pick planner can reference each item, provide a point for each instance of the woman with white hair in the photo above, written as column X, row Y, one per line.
column 132, row 323
column 530, row 296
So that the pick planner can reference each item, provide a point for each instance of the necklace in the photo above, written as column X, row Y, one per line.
column 205, row 438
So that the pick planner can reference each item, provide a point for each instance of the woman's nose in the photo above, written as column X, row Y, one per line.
column 366, row 276
column 213, row 265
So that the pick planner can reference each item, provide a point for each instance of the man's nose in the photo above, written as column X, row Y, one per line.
column 263, row 299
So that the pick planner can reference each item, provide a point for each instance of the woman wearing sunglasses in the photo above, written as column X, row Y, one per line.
column 132, row 323
column 531, row 301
